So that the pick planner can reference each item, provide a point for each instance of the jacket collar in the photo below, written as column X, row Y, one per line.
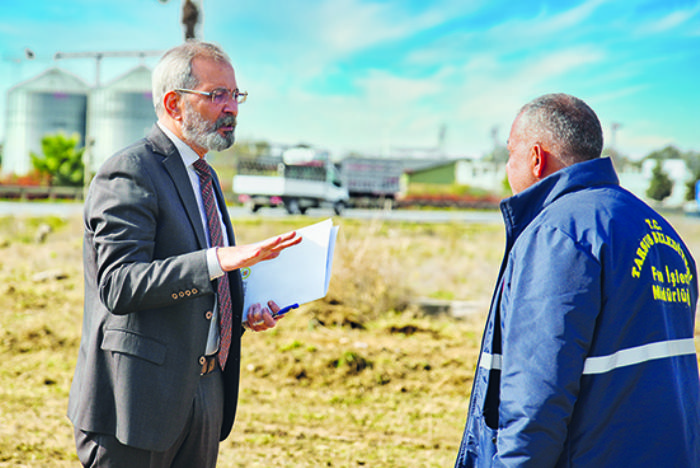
column 160, row 143
column 519, row 210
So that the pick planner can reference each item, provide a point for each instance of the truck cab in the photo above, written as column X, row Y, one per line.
column 296, row 185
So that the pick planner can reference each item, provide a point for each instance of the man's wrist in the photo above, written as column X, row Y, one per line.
column 213, row 265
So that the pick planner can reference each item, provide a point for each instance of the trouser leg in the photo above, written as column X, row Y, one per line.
column 200, row 447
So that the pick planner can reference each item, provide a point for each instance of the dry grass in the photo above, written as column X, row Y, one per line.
column 39, row 337
column 358, row 379
column 361, row 378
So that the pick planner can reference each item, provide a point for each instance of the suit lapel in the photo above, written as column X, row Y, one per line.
column 178, row 173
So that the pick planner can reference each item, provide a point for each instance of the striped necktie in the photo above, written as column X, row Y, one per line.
column 217, row 240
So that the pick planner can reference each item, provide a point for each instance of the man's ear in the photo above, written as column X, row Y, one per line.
column 539, row 159
column 171, row 103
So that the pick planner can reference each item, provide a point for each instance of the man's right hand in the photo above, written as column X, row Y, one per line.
column 240, row 256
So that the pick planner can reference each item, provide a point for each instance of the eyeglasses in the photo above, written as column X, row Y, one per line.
column 219, row 95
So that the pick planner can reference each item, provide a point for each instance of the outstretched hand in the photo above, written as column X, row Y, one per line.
column 240, row 256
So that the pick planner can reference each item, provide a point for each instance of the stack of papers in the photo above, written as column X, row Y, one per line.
column 299, row 275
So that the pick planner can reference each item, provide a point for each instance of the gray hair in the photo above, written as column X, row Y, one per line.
column 567, row 123
column 174, row 70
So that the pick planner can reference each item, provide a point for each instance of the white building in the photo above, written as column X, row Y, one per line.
column 108, row 118
column 486, row 175
column 119, row 113
column 54, row 101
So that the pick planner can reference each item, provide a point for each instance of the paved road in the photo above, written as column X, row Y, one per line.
column 9, row 208
column 418, row 216
column 67, row 209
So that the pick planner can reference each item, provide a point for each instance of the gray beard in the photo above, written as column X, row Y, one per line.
column 198, row 131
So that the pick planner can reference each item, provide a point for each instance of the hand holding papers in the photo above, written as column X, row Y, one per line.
column 299, row 275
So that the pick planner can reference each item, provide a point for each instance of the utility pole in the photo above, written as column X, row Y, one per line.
column 190, row 19
column 192, row 13
column 441, row 139
column 494, row 136
column 613, row 132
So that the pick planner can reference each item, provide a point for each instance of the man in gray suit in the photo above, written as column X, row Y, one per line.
column 156, row 383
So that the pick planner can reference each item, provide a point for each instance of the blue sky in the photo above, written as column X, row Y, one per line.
column 371, row 76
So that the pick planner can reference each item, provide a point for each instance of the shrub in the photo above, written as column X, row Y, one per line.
column 62, row 160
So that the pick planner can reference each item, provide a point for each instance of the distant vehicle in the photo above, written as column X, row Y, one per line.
column 272, row 182
column 370, row 180
column 304, row 155
column 377, row 181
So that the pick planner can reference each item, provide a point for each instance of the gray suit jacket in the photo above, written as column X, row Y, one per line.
column 147, row 298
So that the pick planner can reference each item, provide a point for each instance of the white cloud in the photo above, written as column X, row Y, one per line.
column 617, row 94
column 353, row 25
column 669, row 22
column 519, row 32
column 386, row 112
column 393, row 110
column 565, row 21
column 492, row 91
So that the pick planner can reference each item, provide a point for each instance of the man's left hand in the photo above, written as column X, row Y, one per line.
column 260, row 317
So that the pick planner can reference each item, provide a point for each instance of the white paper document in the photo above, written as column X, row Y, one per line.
column 299, row 275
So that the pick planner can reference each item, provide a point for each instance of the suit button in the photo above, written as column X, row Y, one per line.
column 202, row 360
column 174, row 295
column 208, row 315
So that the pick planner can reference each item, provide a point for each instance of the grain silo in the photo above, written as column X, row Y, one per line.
column 119, row 113
column 54, row 101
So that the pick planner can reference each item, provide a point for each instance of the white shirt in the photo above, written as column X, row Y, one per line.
column 189, row 156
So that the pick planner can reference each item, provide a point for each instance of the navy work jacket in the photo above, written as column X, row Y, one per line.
column 588, row 356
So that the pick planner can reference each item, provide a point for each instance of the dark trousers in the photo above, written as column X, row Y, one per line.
column 197, row 445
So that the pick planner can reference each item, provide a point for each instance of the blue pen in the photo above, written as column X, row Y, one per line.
column 284, row 310
column 279, row 313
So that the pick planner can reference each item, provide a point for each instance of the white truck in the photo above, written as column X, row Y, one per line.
column 298, row 187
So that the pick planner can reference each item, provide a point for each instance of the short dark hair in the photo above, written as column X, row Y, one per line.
column 568, row 124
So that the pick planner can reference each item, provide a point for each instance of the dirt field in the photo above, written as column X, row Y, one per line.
column 358, row 379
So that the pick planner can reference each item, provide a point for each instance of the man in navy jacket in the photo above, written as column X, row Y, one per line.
column 588, row 357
